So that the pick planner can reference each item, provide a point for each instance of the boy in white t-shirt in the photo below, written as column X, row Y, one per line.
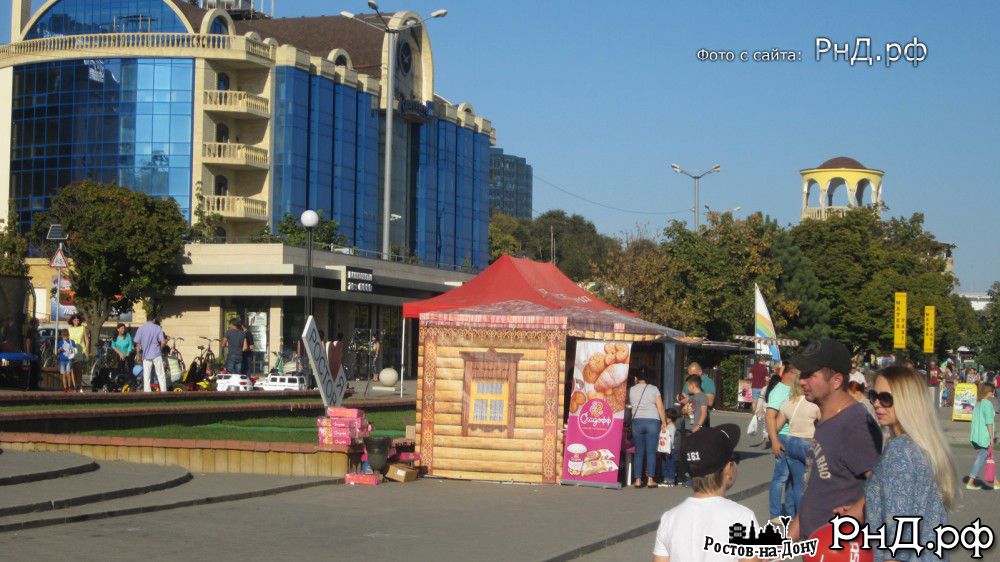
column 684, row 529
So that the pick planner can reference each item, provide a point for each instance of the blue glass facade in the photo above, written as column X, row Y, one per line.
column 83, row 17
column 446, row 207
column 464, row 191
column 126, row 121
column 291, row 143
column 326, row 154
column 481, row 202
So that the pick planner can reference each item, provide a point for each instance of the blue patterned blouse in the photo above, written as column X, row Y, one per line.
column 899, row 486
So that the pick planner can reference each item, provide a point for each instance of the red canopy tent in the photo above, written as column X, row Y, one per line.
column 514, row 279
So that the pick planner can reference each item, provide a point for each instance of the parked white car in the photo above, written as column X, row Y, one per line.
column 284, row 382
column 231, row 381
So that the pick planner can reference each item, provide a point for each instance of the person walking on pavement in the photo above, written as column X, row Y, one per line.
column 779, row 502
column 982, row 433
column 801, row 416
column 648, row 419
column 847, row 442
column 248, row 348
column 758, row 379
column 149, row 340
column 78, row 333
column 234, row 340
column 915, row 475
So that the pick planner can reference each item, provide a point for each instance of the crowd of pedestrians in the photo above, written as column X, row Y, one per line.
column 846, row 442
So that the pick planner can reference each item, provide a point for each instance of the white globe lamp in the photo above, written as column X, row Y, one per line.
column 309, row 218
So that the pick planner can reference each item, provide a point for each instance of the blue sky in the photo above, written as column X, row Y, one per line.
column 601, row 99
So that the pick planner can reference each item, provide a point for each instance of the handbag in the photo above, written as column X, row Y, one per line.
column 665, row 444
column 990, row 474
column 752, row 426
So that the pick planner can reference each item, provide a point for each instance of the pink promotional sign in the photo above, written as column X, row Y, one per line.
column 592, row 452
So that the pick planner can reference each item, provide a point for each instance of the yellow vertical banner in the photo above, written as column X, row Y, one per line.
column 899, row 323
column 929, row 312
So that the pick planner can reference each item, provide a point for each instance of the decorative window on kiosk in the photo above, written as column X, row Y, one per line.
column 489, row 395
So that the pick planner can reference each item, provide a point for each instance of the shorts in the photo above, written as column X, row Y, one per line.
column 65, row 366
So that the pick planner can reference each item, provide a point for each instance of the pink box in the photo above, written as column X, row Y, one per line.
column 357, row 479
column 342, row 422
column 334, row 412
column 408, row 456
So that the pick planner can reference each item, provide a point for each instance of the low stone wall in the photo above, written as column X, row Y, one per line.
column 235, row 457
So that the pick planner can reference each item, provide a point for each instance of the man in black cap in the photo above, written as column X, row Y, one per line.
column 711, row 461
column 847, row 443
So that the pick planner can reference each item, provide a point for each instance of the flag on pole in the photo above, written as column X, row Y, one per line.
column 763, row 327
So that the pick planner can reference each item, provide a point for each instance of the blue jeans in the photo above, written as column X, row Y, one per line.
column 234, row 362
column 779, row 479
column 796, row 450
column 980, row 462
column 646, row 435
column 668, row 470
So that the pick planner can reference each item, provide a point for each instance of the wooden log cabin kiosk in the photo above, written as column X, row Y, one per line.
column 494, row 361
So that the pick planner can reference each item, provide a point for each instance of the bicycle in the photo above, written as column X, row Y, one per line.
column 173, row 362
column 200, row 375
column 286, row 363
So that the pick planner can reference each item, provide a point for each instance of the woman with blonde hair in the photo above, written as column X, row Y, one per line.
column 801, row 416
column 915, row 475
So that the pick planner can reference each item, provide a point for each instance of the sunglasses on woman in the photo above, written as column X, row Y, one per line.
column 885, row 398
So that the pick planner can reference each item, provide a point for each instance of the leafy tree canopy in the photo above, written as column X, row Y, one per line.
column 13, row 249
column 126, row 246
column 577, row 243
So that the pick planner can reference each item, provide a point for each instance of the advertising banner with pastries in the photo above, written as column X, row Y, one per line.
column 596, row 414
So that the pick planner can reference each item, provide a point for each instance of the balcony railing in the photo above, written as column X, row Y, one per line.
column 233, row 101
column 236, row 207
column 86, row 44
column 821, row 213
column 234, row 154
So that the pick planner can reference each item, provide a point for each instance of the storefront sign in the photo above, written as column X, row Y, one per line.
column 331, row 388
column 358, row 280
column 966, row 396
column 593, row 449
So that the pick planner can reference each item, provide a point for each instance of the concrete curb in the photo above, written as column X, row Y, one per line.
column 24, row 525
column 48, row 474
column 94, row 498
column 642, row 529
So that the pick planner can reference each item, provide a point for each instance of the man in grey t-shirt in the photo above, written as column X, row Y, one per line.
column 699, row 403
column 847, row 443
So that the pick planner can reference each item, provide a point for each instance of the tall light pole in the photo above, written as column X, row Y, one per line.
column 309, row 220
column 697, row 185
column 390, row 101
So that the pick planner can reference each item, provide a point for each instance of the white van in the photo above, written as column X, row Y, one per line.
column 284, row 382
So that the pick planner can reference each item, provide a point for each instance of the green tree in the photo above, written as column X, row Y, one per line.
column 206, row 226
column 506, row 235
column 989, row 342
column 290, row 231
column 126, row 247
column 13, row 249
column 807, row 312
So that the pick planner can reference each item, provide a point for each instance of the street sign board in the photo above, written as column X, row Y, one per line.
column 59, row 259
column 929, row 313
column 330, row 388
column 56, row 232
column 359, row 280
column 899, row 323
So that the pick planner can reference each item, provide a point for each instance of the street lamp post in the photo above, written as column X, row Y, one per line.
column 697, row 185
column 390, row 101
column 309, row 220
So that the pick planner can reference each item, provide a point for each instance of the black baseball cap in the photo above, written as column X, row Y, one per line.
column 708, row 450
column 826, row 353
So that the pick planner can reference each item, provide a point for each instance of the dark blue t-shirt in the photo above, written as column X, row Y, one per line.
column 844, row 448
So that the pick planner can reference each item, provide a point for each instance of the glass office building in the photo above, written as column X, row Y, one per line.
column 510, row 184
column 252, row 118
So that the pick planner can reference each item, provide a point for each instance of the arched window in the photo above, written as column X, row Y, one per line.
column 84, row 17
column 221, row 186
column 223, row 81
column 341, row 60
column 221, row 133
column 219, row 26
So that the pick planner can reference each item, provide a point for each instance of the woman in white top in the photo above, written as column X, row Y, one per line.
column 801, row 416
column 648, row 419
